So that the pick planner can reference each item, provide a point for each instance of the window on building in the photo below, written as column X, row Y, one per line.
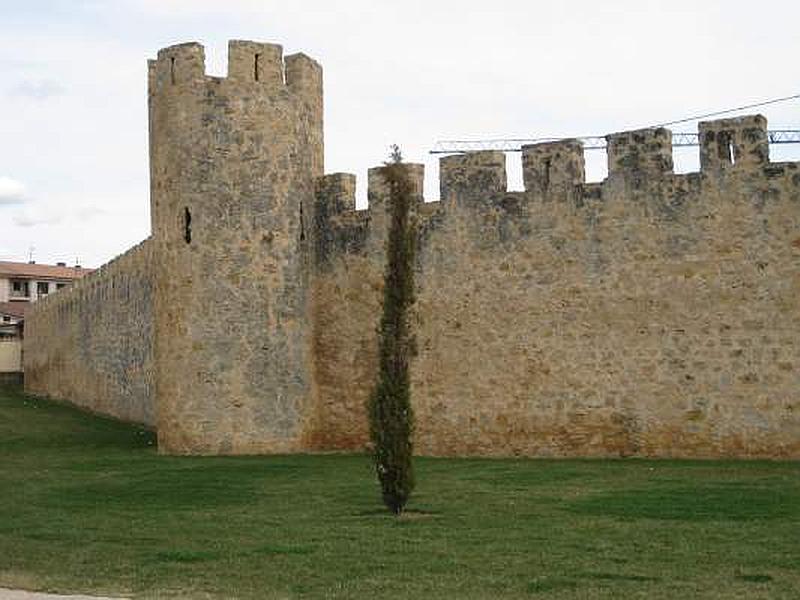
column 6, row 319
column 19, row 288
column 60, row 285
column 42, row 288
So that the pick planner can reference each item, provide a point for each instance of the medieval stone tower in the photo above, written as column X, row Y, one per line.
column 233, row 163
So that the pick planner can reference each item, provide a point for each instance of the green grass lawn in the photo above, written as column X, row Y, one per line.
column 88, row 505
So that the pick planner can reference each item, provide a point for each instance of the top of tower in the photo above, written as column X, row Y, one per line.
column 248, row 62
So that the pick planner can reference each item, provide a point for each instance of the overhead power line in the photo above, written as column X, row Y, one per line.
column 598, row 142
column 591, row 142
column 729, row 110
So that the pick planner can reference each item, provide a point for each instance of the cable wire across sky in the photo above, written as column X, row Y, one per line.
column 598, row 142
column 729, row 110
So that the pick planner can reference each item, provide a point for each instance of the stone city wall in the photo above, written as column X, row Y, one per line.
column 652, row 314
column 91, row 344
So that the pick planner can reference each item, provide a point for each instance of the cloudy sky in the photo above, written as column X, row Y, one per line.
column 73, row 122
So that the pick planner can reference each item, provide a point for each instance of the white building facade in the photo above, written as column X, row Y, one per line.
column 22, row 284
column 27, row 282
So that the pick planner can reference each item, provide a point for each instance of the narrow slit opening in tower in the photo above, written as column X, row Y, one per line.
column 302, row 224
column 187, row 225
column 172, row 70
column 725, row 148
column 256, row 62
column 546, row 179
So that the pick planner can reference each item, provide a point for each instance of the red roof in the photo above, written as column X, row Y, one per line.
column 23, row 270
column 14, row 309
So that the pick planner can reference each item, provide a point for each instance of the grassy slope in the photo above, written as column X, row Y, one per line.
column 88, row 505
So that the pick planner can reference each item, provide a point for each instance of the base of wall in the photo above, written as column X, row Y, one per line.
column 14, row 378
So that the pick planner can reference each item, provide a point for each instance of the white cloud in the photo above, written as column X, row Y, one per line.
column 33, row 221
column 11, row 191
column 37, row 90
column 31, row 217
column 50, row 214
column 89, row 212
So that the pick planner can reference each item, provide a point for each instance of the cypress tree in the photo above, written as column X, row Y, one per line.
column 390, row 416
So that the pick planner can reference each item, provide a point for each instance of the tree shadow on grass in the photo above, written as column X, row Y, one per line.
column 406, row 515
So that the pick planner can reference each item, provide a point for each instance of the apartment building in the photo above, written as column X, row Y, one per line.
column 22, row 284
column 27, row 282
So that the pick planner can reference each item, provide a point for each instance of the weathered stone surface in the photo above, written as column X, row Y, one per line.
column 652, row 314
column 234, row 163
column 551, row 166
column 740, row 143
column 92, row 343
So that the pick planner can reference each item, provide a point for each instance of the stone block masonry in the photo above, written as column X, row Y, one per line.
column 233, row 166
column 652, row 314
column 92, row 343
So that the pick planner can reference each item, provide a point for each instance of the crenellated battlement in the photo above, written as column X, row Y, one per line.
column 644, row 152
column 551, row 168
column 739, row 143
column 136, row 259
column 253, row 63
column 641, row 183
column 336, row 194
column 378, row 190
column 470, row 176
